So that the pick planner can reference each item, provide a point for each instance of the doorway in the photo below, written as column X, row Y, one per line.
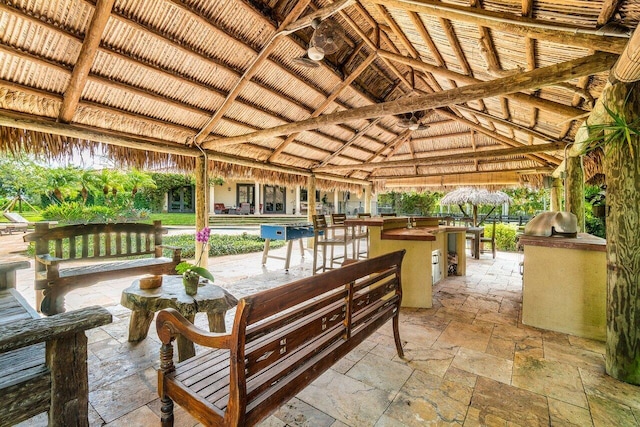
column 246, row 194
column 181, row 200
column 274, row 199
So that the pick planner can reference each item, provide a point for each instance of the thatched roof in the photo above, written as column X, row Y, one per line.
column 475, row 196
column 499, row 86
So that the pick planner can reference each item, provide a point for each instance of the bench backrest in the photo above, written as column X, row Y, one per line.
column 95, row 241
column 287, row 336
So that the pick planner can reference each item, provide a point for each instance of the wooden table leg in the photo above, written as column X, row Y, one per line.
column 186, row 349
column 265, row 253
column 216, row 322
column 139, row 324
column 301, row 248
column 288, row 259
column 476, row 246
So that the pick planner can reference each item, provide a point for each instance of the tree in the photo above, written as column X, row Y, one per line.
column 622, row 171
column 90, row 183
column 62, row 183
column 137, row 180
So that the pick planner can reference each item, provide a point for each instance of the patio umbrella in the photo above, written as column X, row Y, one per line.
column 475, row 197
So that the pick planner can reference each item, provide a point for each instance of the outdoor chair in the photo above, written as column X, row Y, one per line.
column 245, row 209
column 490, row 240
column 17, row 223
column 328, row 236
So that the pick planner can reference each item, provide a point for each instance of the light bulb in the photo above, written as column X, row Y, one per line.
column 316, row 53
column 413, row 124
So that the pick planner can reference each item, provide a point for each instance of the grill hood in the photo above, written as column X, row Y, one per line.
column 553, row 223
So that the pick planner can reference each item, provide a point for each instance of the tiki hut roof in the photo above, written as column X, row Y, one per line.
column 416, row 94
column 475, row 196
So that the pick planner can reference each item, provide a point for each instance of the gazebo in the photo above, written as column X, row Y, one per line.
column 359, row 95
column 475, row 197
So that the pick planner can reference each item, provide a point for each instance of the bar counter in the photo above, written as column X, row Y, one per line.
column 422, row 238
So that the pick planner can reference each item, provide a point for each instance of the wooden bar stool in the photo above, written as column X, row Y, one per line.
column 331, row 236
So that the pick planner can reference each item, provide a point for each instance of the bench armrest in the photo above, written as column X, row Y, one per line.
column 170, row 322
column 48, row 259
column 31, row 331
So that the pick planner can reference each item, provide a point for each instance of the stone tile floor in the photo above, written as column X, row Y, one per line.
column 469, row 361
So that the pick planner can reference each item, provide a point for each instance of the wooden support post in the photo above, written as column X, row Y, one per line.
column 622, row 169
column 574, row 202
column 311, row 205
column 556, row 192
column 66, row 357
column 202, row 209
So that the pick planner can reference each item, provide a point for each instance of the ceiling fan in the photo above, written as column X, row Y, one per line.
column 411, row 123
column 325, row 40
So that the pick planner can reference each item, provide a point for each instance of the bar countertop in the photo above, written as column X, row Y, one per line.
column 395, row 228
column 584, row 241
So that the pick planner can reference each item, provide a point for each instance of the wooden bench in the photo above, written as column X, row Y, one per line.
column 97, row 244
column 282, row 339
column 43, row 361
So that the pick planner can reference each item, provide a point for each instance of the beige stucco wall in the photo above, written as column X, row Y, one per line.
column 564, row 290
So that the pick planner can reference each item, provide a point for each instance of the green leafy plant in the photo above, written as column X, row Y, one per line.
column 613, row 135
column 505, row 236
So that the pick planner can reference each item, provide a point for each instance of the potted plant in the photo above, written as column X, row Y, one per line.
column 191, row 273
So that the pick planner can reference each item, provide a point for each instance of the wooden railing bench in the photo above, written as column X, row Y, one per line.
column 43, row 362
column 105, row 248
column 282, row 339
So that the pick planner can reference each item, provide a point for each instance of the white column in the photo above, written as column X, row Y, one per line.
column 298, row 208
column 335, row 201
column 212, row 199
column 256, row 209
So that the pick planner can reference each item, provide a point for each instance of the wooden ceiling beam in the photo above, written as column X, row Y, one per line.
column 609, row 8
column 249, row 72
column 550, row 106
column 86, row 56
column 469, row 155
column 334, row 94
column 512, row 125
column 50, row 126
column 579, row 67
column 539, row 157
column 140, row 62
column 350, row 142
column 510, row 171
column 506, row 22
column 455, row 179
column 374, row 47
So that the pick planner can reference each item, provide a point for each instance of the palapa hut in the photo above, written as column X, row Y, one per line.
column 351, row 94
column 475, row 197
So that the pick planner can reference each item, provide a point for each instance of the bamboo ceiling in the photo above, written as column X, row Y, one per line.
column 500, row 86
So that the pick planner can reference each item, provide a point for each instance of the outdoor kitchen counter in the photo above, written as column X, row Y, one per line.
column 584, row 241
column 564, row 284
column 420, row 241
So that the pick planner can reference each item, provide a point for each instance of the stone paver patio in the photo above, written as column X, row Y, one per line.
column 469, row 361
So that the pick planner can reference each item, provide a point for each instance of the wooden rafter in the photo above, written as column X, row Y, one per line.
column 140, row 62
column 469, row 155
column 350, row 142
column 249, row 72
column 553, row 107
column 540, row 158
column 579, row 67
column 609, row 8
column 334, row 94
column 512, row 125
column 451, row 173
column 86, row 56
column 509, row 23
column 455, row 179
